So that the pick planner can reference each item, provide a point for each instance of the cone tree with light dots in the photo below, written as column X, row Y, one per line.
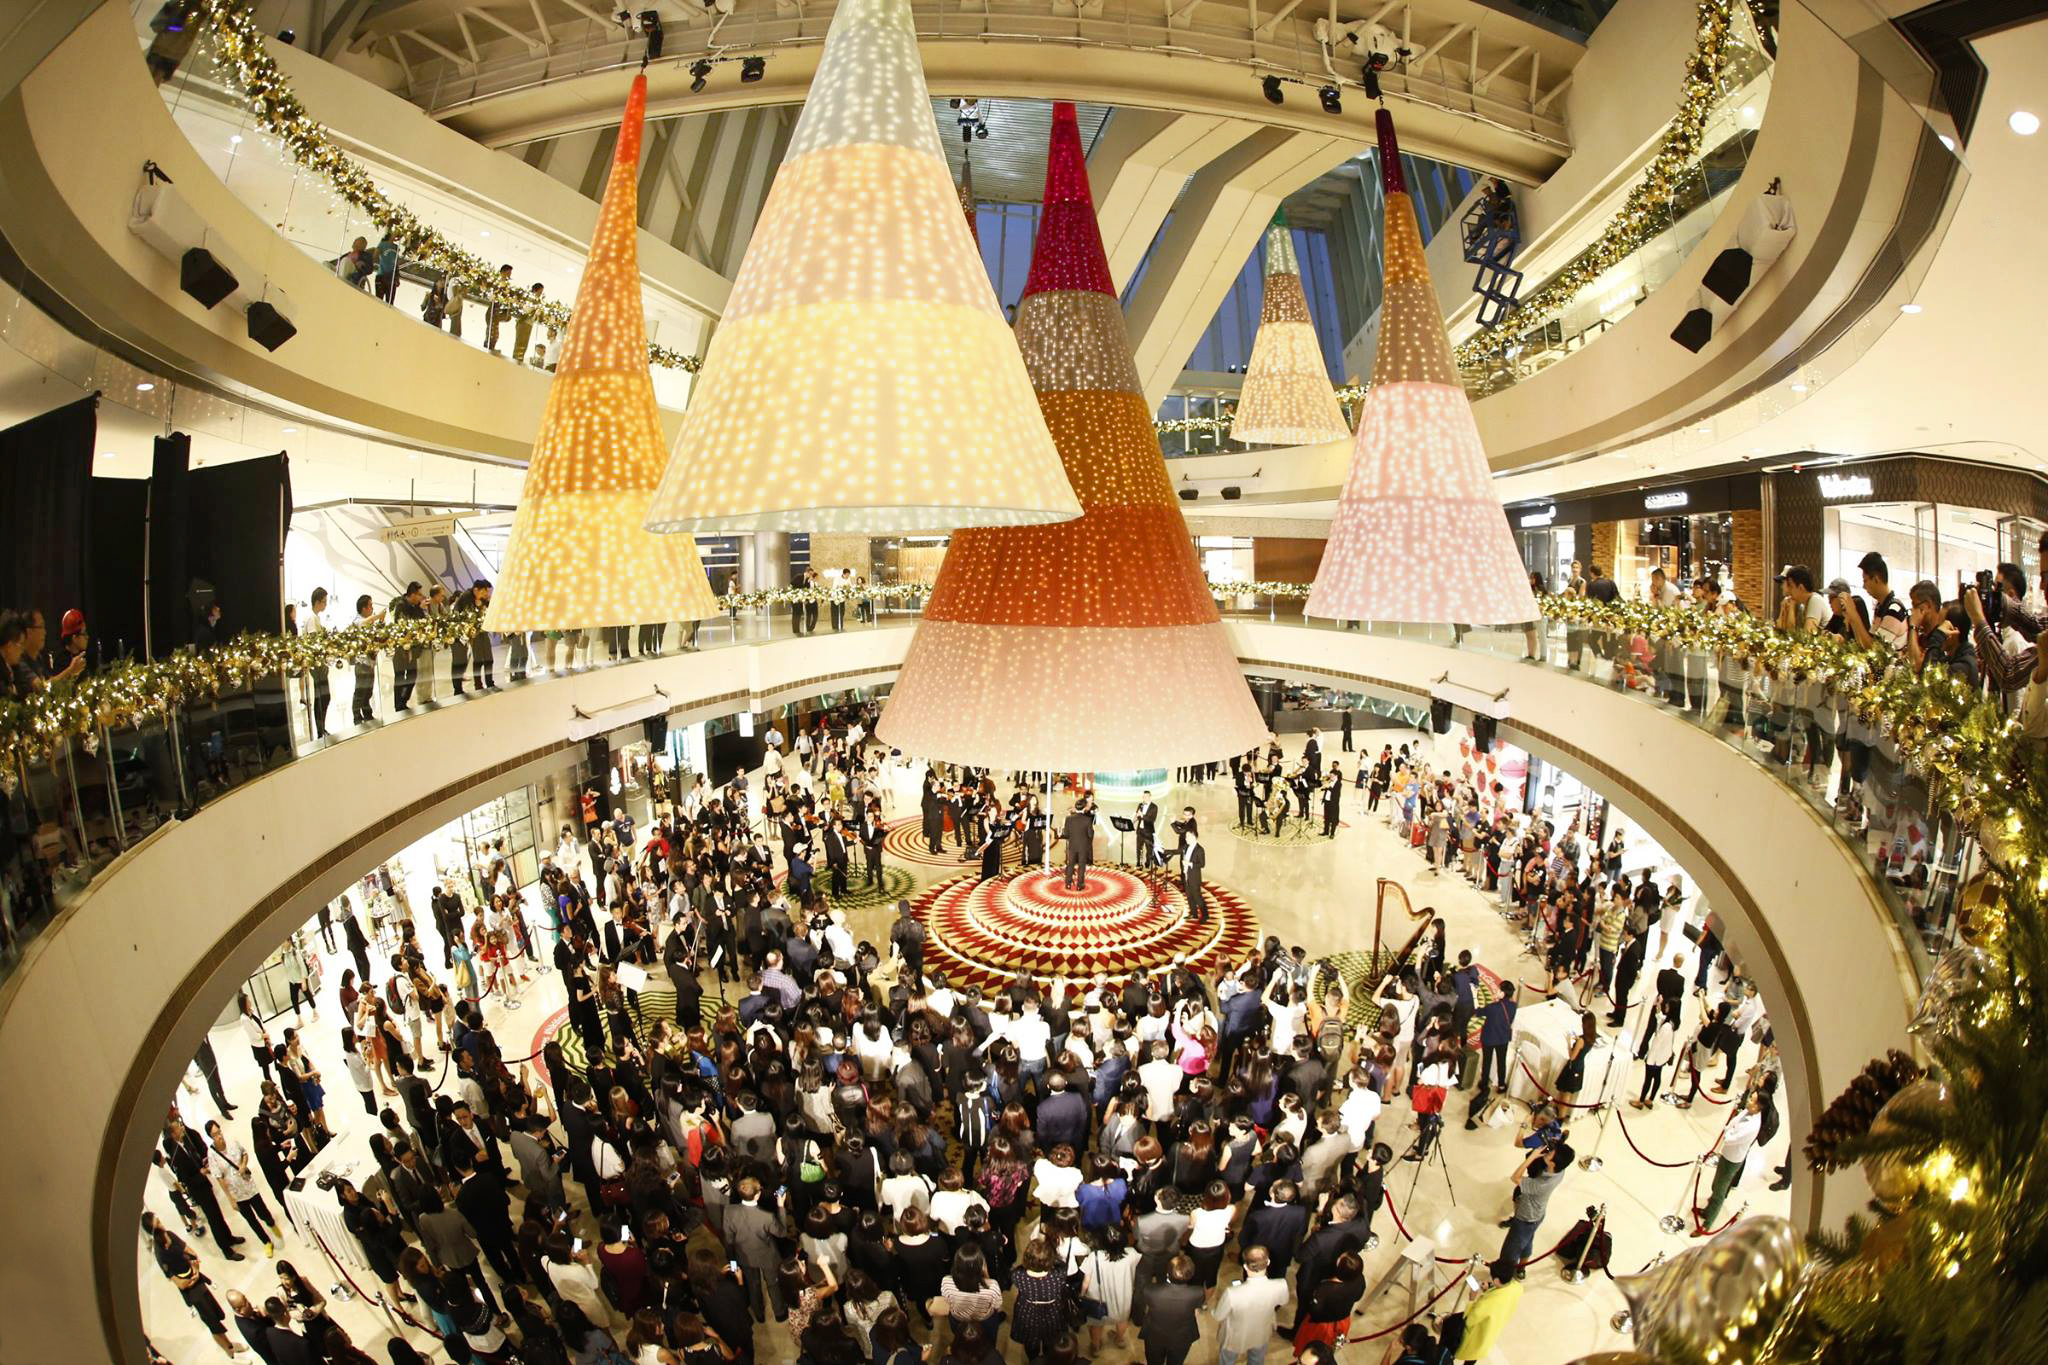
column 578, row 555
column 862, row 377
column 1090, row 645
column 1287, row 398
column 1418, row 534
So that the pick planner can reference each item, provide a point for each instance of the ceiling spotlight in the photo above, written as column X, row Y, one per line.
column 1909, row 308
column 2024, row 123
column 650, row 25
column 699, row 70
column 753, row 68
column 287, row 36
column 1271, row 85
column 235, row 140
column 1374, row 64
column 144, row 387
column 289, row 430
column 1333, row 100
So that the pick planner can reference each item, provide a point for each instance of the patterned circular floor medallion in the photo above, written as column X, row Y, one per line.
column 656, row 1002
column 904, row 843
column 861, row 894
column 1117, row 922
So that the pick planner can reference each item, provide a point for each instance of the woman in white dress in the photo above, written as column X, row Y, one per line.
column 1108, row 1276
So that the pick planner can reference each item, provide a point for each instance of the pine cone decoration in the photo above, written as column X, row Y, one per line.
column 1853, row 1110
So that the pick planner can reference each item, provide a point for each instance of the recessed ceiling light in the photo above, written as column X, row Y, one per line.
column 235, row 141
column 1947, row 141
column 1799, row 388
column 144, row 387
column 2024, row 123
column 289, row 430
column 1749, row 111
column 412, row 455
column 485, row 233
column 109, row 454
column 1909, row 308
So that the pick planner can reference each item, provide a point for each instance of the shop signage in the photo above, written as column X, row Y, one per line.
column 1542, row 518
column 1845, row 485
column 1658, row 502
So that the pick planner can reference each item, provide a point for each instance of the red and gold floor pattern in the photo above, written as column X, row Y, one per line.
column 1118, row 922
column 904, row 843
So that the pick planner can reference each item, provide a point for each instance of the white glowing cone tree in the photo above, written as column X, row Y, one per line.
column 578, row 555
column 1418, row 534
column 862, row 377
column 1287, row 398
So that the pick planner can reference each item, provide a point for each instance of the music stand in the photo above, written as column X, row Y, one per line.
column 1122, row 824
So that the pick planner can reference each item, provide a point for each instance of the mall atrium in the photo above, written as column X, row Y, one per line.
column 843, row 681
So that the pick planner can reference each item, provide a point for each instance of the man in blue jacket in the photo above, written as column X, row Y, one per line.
column 1496, row 1031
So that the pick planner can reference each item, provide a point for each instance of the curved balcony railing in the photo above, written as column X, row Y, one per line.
column 86, row 798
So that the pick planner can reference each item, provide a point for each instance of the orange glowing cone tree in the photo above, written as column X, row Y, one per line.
column 578, row 555
column 1089, row 645
column 1418, row 534
column 1287, row 398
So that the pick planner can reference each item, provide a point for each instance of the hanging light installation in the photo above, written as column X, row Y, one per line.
column 1418, row 534
column 967, row 197
column 862, row 378
column 1090, row 645
column 578, row 555
column 1287, row 398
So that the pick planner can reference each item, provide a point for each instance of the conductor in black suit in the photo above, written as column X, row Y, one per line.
column 1192, row 859
column 1079, row 832
column 932, row 807
column 872, row 833
column 837, row 855
column 1333, row 801
column 1312, row 754
column 1148, row 831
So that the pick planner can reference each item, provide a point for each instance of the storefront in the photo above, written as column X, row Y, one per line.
column 1706, row 526
column 1936, row 519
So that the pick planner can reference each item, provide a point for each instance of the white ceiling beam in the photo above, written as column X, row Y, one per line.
column 533, row 44
column 398, row 51
column 1280, row 14
column 1553, row 93
column 468, row 40
column 1420, row 58
column 540, row 21
column 1487, row 78
column 430, row 45
column 595, row 16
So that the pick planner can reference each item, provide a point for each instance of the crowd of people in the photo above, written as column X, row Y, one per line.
column 376, row 268
column 894, row 1165
column 1985, row 632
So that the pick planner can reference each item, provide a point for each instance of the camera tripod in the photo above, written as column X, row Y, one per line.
column 1434, row 1153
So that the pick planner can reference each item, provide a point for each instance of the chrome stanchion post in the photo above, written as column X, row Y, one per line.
column 1675, row 1222
column 1577, row 1273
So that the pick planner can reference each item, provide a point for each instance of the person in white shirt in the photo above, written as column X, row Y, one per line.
column 1161, row 1077
column 1030, row 1033
column 1245, row 1312
column 315, row 621
column 951, row 1201
column 1360, row 1110
column 1055, row 1178
column 904, row 1188
column 1730, row 1152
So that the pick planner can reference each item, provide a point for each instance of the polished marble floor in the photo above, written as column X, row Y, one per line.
column 1319, row 894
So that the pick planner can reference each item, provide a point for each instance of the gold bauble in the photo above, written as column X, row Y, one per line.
column 1895, row 1177
column 1720, row 1301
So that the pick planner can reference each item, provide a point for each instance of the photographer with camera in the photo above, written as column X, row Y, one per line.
column 1536, row 1179
column 1995, row 605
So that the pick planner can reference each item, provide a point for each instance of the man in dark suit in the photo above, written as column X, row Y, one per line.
column 1246, row 799
column 750, row 1238
column 1171, row 1330
column 1333, row 801
column 1312, row 754
column 1193, row 858
column 1343, row 1230
column 187, row 1153
column 481, row 1199
column 1278, row 1225
column 907, row 936
column 836, row 855
column 1062, row 1116
column 681, row 962
column 933, row 808
column 872, row 833
column 286, row 1346
column 1148, row 831
column 1079, row 832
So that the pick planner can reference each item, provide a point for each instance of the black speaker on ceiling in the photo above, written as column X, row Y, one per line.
column 656, row 728
column 1482, row 733
column 1440, row 716
column 1730, row 274
column 1232, row 493
column 1190, row 494
column 1694, row 330
column 269, row 328
column 202, row 276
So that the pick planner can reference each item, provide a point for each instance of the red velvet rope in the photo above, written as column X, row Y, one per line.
column 1388, row 1196
column 367, row 1298
column 1699, row 1227
column 1386, row 1331
column 1667, row 1165
column 1568, row 1104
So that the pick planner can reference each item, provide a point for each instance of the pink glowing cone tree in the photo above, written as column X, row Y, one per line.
column 1418, row 534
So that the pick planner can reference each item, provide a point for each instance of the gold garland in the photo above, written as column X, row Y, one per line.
column 132, row 692
column 1640, row 217
column 239, row 43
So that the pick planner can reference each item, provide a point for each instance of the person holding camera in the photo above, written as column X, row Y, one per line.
column 1536, row 1179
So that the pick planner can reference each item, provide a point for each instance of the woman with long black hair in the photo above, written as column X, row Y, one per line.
column 180, row 1265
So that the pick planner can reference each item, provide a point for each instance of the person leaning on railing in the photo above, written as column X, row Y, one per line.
column 2006, row 669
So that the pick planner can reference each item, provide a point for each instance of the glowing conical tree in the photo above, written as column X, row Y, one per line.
column 1418, row 534
column 862, row 378
column 1287, row 398
column 1091, row 645
column 578, row 555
